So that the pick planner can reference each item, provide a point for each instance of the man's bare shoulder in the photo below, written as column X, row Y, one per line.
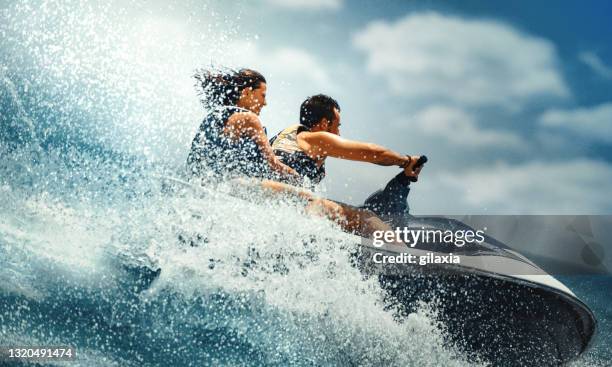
column 318, row 136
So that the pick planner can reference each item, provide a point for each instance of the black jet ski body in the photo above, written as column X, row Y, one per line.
column 494, row 304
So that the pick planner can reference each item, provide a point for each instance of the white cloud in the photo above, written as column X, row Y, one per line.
column 467, row 61
column 292, row 62
column 577, row 186
column 288, row 64
column 593, row 123
column 308, row 4
column 459, row 127
column 594, row 62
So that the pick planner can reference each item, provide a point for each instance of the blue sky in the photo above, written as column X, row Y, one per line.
column 512, row 101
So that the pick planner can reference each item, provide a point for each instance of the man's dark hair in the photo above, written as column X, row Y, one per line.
column 317, row 107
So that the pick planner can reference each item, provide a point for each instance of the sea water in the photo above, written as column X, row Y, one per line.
column 101, row 251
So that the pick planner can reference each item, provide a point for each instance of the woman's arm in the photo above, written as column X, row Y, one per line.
column 324, row 144
column 247, row 124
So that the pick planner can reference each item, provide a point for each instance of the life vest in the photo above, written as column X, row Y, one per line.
column 286, row 148
column 213, row 151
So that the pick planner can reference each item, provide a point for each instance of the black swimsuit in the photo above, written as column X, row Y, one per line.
column 213, row 151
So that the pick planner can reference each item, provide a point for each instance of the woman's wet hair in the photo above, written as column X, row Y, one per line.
column 317, row 107
column 222, row 87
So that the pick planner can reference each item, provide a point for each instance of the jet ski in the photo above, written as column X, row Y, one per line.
column 493, row 304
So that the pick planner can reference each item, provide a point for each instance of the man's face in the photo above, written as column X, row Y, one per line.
column 334, row 126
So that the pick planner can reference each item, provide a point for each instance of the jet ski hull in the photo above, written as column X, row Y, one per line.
column 495, row 305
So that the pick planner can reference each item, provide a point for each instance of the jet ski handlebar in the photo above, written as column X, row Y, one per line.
column 421, row 161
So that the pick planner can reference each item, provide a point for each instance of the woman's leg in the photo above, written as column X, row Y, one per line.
column 355, row 220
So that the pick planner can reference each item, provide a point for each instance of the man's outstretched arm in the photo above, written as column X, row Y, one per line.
column 323, row 144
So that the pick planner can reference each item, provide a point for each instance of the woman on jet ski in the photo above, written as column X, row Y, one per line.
column 231, row 140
